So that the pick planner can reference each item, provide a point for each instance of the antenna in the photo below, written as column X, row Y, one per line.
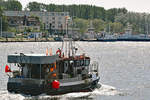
column 67, row 46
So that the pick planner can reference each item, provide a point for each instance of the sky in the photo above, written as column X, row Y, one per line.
column 130, row 5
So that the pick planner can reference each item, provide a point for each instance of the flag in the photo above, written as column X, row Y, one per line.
column 7, row 69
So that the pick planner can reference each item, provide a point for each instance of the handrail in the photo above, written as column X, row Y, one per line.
column 94, row 67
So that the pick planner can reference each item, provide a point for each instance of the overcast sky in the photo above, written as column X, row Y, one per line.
column 131, row 5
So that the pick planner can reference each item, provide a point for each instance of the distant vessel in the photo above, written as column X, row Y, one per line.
column 90, row 35
column 129, row 36
column 107, row 37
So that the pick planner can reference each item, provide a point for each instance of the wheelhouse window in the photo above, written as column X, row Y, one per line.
column 81, row 63
column 65, row 66
column 77, row 63
column 87, row 62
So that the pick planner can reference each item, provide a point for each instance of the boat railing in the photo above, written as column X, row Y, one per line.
column 26, row 80
column 94, row 67
column 69, row 79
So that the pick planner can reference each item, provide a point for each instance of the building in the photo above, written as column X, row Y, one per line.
column 54, row 22
column 35, row 35
column 8, row 34
column 22, row 22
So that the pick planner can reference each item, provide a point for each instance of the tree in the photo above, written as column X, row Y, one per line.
column 81, row 11
column 82, row 24
column 122, row 18
column 111, row 13
column 34, row 6
column 116, row 27
column 98, row 24
column 1, row 11
column 12, row 5
column 4, row 20
column 4, row 23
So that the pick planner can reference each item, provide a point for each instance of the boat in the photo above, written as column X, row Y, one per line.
column 133, row 37
column 129, row 36
column 107, row 38
column 90, row 35
column 53, row 74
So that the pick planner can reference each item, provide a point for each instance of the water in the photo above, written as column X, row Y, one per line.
column 124, row 70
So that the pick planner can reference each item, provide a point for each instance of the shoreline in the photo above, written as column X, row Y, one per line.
column 8, row 40
column 79, row 41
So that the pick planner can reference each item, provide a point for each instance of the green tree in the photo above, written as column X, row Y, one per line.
column 1, row 11
column 4, row 23
column 34, row 6
column 122, row 18
column 82, row 24
column 98, row 24
column 4, row 20
column 116, row 27
column 12, row 5
column 81, row 11
column 111, row 13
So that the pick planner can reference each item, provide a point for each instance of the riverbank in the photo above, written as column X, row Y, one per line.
column 26, row 40
column 57, row 40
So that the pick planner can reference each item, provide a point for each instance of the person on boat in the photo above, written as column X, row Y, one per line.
column 58, row 52
column 84, row 73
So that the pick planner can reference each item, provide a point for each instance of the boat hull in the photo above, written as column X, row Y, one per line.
column 34, row 89
column 107, row 40
column 133, row 39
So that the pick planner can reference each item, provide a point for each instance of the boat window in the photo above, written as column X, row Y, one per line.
column 35, row 71
column 65, row 66
column 87, row 62
column 81, row 63
column 77, row 63
column 46, row 68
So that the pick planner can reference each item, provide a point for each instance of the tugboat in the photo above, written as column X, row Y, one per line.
column 53, row 74
column 61, row 73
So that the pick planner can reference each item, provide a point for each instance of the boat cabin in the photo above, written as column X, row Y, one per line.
column 35, row 66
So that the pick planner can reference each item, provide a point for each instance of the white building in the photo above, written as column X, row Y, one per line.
column 54, row 20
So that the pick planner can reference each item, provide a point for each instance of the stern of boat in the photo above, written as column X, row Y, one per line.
column 25, row 85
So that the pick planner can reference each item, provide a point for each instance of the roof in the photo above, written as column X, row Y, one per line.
column 32, row 58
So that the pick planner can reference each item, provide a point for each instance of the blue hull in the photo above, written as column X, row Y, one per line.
column 133, row 39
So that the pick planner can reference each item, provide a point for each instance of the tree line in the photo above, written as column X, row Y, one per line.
column 79, row 11
column 114, row 20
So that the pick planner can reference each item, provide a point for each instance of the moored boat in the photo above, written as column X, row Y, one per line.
column 107, row 38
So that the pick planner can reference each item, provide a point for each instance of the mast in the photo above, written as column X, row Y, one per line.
column 67, row 46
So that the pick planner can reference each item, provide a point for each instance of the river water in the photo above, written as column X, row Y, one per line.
column 124, row 69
